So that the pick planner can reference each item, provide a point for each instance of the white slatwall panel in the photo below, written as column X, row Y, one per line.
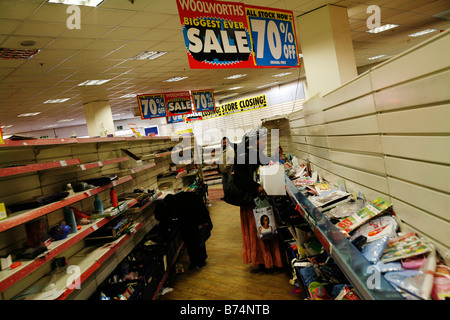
column 387, row 133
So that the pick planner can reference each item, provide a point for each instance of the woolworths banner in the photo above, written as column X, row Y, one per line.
column 221, row 34
column 236, row 107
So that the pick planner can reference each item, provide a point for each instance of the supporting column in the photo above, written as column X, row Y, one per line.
column 327, row 48
column 99, row 119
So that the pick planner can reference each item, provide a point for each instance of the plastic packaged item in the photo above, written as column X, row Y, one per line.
column 441, row 283
column 347, row 209
column 318, row 291
column 398, row 278
column 377, row 207
column 389, row 266
column 377, row 228
column 403, row 247
column 414, row 262
column 373, row 250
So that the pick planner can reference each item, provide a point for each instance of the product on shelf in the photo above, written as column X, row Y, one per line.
column 371, row 210
column 403, row 247
column 376, row 228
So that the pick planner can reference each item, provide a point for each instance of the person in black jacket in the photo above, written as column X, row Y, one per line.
column 264, row 253
column 194, row 221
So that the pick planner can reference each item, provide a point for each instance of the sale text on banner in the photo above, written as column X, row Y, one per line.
column 203, row 100
column 178, row 103
column 273, row 37
column 215, row 34
column 236, row 107
column 152, row 106
column 220, row 34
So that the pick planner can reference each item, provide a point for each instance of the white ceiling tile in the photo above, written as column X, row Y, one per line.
column 124, row 33
column 13, row 9
column 87, row 31
column 147, row 20
column 41, row 29
column 125, row 5
column 7, row 26
column 101, row 16
column 69, row 43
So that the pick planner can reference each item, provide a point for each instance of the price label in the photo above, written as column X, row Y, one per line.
column 203, row 100
column 273, row 37
column 152, row 106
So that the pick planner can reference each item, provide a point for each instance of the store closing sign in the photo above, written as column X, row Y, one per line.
column 237, row 106
column 221, row 34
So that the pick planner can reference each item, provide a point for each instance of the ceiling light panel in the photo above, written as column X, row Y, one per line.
column 421, row 33
column 88, row 3
column 57, row 100
column 148, row 55
column 93, row 82
column 175, row 79
column 382, row 28
column 236, row 76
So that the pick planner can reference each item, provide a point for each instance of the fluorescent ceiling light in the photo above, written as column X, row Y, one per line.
column 377, row 57
column 89, row 3
column 93, row 82
column 65, row 120
column 148, row 55
column 6, row 126
column 421, row 33
column 236, row 76
column 57, row 100
column 31, row 114
column 175, row 79
column 50, row 126
column 282, row 74
column 129, row 95
column 268, row 85
column 382, row 28
column 235, row 88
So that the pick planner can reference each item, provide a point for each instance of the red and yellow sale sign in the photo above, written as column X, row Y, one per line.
column 220, row 34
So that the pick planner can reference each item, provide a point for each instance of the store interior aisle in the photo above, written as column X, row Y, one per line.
column 225, row 277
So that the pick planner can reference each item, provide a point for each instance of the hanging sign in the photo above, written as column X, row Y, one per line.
column 178, row 103
column 236, row 107
column 215, row 34
column 273, row 37
column 194, row 116
column 223, row 35
column 152, row 106
column 203, row 100
column 175, row 119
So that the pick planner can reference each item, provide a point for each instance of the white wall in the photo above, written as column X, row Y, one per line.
column 387, row 133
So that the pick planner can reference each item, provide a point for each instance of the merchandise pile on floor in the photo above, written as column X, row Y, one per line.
column 408, row 262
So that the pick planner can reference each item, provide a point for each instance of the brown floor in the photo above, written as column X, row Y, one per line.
column 225, row 277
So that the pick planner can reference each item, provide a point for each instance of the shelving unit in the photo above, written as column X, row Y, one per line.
column 22, row 217
column 9, row 277
column 352, row 263
column 92, row 262
column 4, row 172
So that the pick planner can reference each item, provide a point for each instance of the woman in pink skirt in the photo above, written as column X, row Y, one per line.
column 263, row 253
